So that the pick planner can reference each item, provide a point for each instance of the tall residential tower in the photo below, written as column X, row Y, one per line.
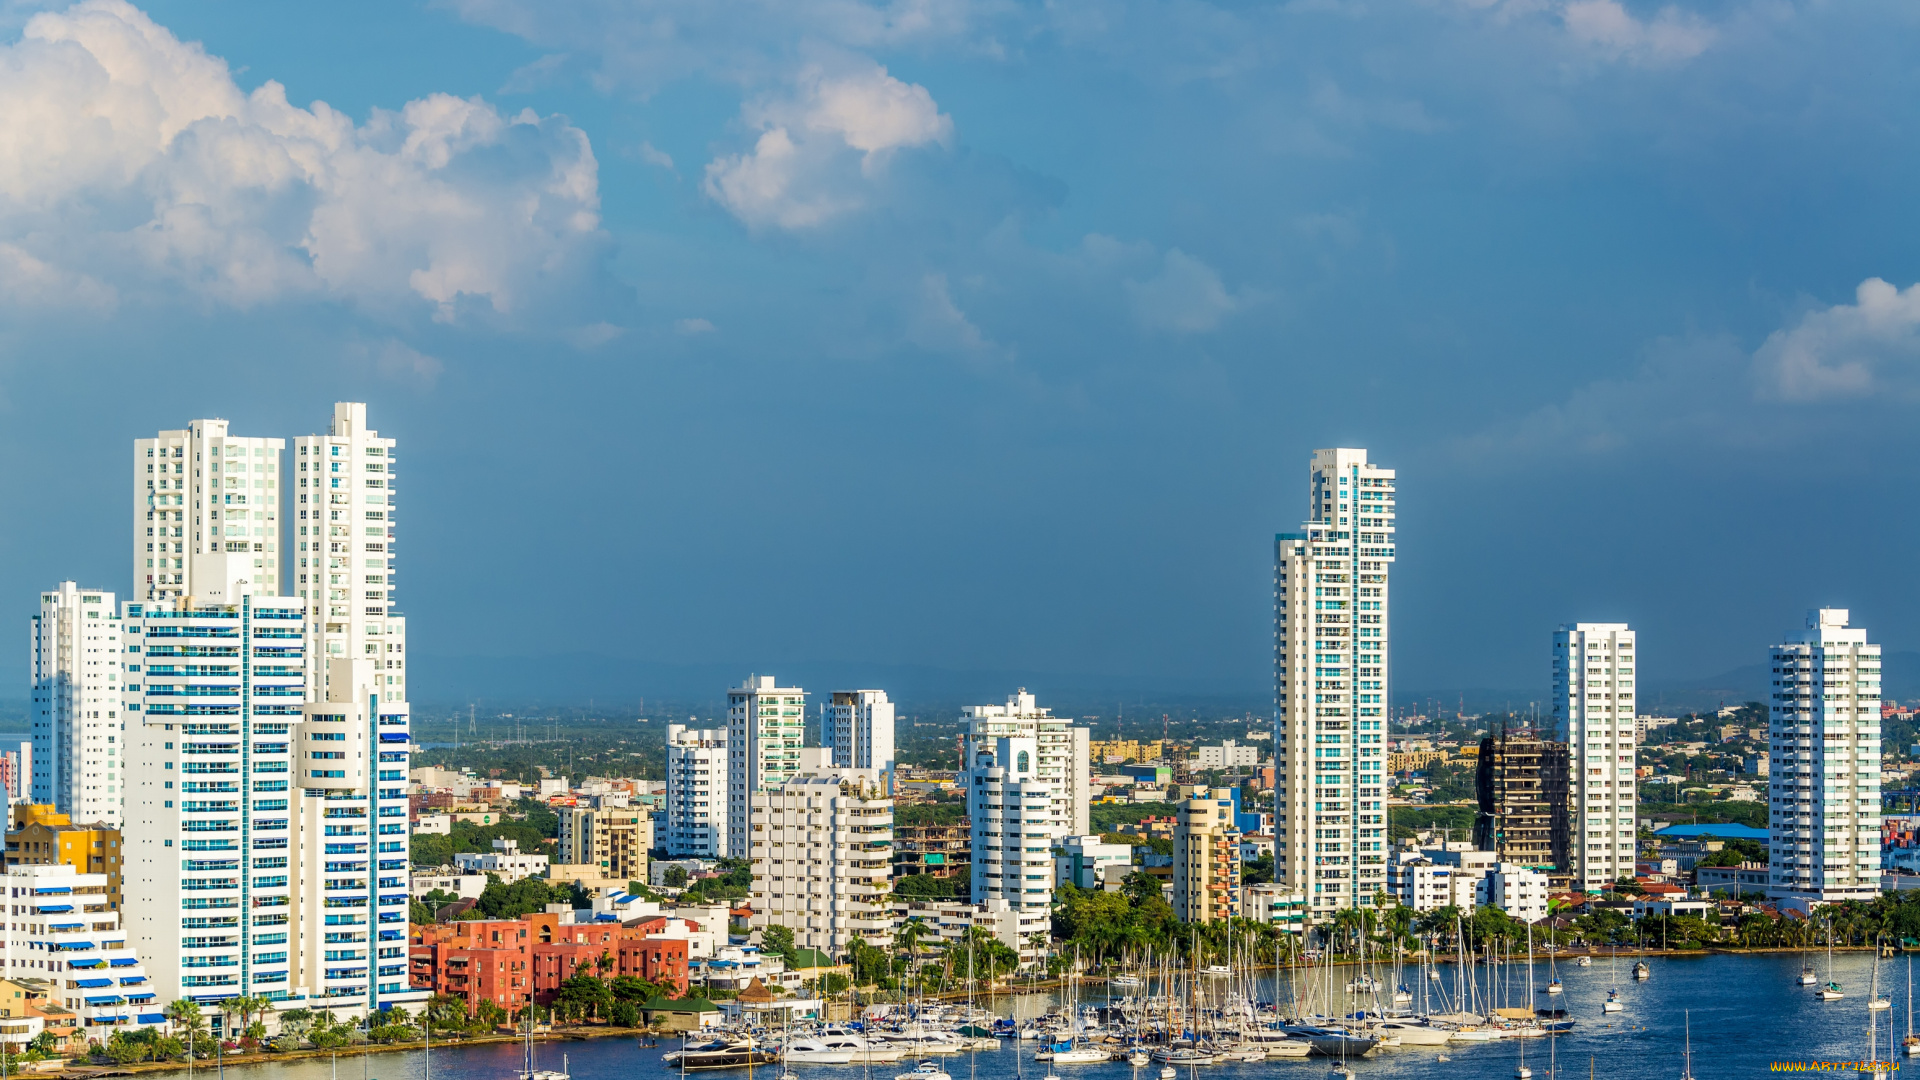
column 1330, row 685
column 765, row 724
column 1027, row 782
column 77, row 748
column 1593, row 710
column 858, row 728
column 201, row 491
column 1824, row 771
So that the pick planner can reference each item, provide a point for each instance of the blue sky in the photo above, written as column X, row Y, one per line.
column 987, row 335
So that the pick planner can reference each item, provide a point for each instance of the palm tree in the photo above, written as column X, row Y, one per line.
column 605, row 963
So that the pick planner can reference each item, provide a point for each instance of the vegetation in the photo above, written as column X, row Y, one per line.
column 1737, row 813
column 1404, row 821
column 524, row 897
column 934, row 813
column 534, row 834
column 734, row 882
column 1106, row 817
column 928, row 887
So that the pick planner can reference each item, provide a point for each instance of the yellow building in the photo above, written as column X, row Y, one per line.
column 1206, row 859
column 42, row 836
column 1416, row 759
column 1116, row 750
column 615, row 839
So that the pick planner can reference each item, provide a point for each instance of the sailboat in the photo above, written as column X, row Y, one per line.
column 1613, row 1002
column 1686, row 1069
column 1876, row 1001
column 528, row 1072
column 1808, row 977
column 1523, row 1073
column 1831, row 991
column 1553, row 976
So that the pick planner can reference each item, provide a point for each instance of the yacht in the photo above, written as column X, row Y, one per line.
column 1332, row 1041
column 1413, row 1033
column 816, row 1052
column 926, row 1070
column 1276, row 1043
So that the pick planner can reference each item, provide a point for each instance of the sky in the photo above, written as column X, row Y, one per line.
column 986, row 336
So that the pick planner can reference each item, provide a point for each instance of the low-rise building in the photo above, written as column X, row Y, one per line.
column 1274, row 904
column 1748, row 877
column 1082, row 860
column 1228, row 755
column 42, row 836
column 63, row 929
column 506, row 861
column 1520, row 891
column 614, row 838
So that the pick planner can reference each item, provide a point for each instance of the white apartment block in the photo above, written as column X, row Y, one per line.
column 62, row 929
column 506, row 861
column 342, row 563
column 1824, row 774
column 765, row 724
column 1331, row 663
column 696, row 812
column 201, row 491
column 858, row 728
column 1593, row 686
column 1028, row 785
column 822, row 849
column 75, row 642
column 263, row 854
column 1519, row 891
column 1228, row 755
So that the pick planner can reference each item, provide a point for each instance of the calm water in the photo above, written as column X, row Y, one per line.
column 1746, row 1012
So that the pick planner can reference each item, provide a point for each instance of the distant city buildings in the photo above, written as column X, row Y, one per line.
column 695, row 821
column 1593, row 714
column 1824, row 777
column 765, row 726
column 1331, row 660
column 1228, row 755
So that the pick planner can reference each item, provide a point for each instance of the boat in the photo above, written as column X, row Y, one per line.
column 1275, row 1043
column 1402, row 996
column 1365, row 984
column 1613, row 1003
column 1413, row 1033
column 1583, row 961
column 1686, row 1068
column 722, row 1055
column 1641, row 970
column 528, row 1072
column 1138, row 1057
column 1068, row 1054
column 1168, row 1072
column 1830, row 991
column 1808, row 977
column 1128, row 981
column 1553, row 987
column 1217, row 970
column 1332, row 1041
column 926, row 1070
column 816, row 1052
column 1876, row 1001
column 837, row 1040
column 1175, row 1056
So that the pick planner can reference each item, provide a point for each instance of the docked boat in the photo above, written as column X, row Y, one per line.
column 1217, row 970
column 816, row 1052
column 859, row 1051
column 926, row 1070
column 1126, row 982
column 1069, row 1054
column 721, row 1055
column 1168, row 1072
column 1334, row 1042
column 1139, row 1058
column 1177, row 1056
column 1412, row 1033
column 1275, row 1043
column 1365, row 984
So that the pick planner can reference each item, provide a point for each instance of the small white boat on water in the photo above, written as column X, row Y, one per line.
column 1168, row 1072
column 816, row 1052
column 1583, row 961
column 1613, row 1003
column 1411, row 1033
column 1641, row 970
column 926, row 1070
column 1138, row 1057
column 1125, row 981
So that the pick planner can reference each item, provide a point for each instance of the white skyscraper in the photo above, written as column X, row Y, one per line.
column 765, row 724
column 696, row 812
column 343, row 560
column 76, row 704
column 1593, row 676
column 1330, row 685
column 858, row 728
column 1027, row 781
column 198, row 491
column 1824, row 769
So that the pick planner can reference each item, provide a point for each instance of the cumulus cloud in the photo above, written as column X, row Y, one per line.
column 1186, row 296
column 132, row 159
column 692, row 327
column 1868, row 347
column 1670, row 35
column 823, row 146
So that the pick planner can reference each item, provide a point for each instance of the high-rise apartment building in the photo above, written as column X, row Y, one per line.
column 822, row 845
column 75, row 701
column 1331, row 664
column 1593, row 713
column 1206, row 859
column 201, row 491
column 695, row 819
column 343, row 513
column 1522, row 787
column 1027, row 780
column 765, row 724
column 858, row 728
column 613, row 838
column 1824, row 773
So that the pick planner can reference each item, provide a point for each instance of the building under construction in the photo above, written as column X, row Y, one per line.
column 1522, row 784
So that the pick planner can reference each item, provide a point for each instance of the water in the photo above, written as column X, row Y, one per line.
column 1746, row 1012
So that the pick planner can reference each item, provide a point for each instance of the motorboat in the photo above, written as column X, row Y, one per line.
column 1412, row 1033
column 816, row 1052
column 1068, row 1054
column 1583, row 961
column 858, row 1050
column 1217, row 970
column 926, row 1070
column 1182, row 1055
column 1125, row 981
column 721, row 1055
column 1332, row 1041
column 1641, row 970
column 1275, row 1043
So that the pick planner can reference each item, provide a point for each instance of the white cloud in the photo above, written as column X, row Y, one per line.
column 1868, row 347
column 130, row 156
column 692, row 327
column 1186, row 296
column 802, row 169
column 398, row 361
column 1670, row 35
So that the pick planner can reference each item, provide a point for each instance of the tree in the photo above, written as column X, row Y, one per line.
column 778, row 941
column 675, row 877
column 585, row 995
column 625, row 1014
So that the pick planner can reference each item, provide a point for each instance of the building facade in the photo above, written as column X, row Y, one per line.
column 42, row 836
column 1206, row 859
column 343, row 564
column 1331, row 667
column 1027, row 779
column 1593, row 713
column 858, row 728
column 765, row 725
column 1088, row 861
column 75, row 703
column 1521, row 784
column 613, row 838
column 202, row 491
column 944, row 851
column 63, row 929
column 821, row 851
column 1824, row 777
column 695, row 821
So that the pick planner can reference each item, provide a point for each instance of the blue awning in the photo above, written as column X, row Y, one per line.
column 109, row 999
column 141, row 997
column 51, row 909
column 133, row 980
column 67, row 926
column 393, row 736
column 152, row 1018
column 121, row 961
column 73, row 945
column 92, row 984
column 51, row 889
column 90, row 962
